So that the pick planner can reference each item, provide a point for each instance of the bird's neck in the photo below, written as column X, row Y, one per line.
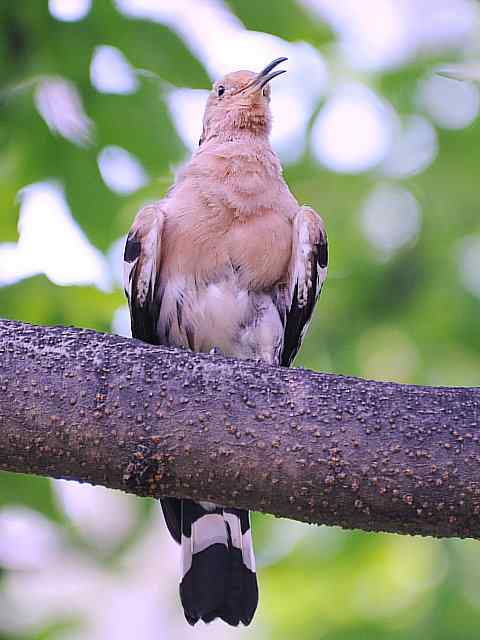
column 236, row 155
column 245, row 135
column 248, row 124
column 239, row 176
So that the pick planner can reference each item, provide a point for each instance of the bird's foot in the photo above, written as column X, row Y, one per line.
column 216, row 351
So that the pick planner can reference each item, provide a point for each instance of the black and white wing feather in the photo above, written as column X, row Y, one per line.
column 307, row 273
column 140, row 273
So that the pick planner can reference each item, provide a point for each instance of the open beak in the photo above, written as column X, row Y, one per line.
column 265, row 76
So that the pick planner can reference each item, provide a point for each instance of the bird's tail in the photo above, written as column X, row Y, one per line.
column 219, row 579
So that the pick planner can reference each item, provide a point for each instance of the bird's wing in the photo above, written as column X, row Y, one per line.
column 307, row 273
column 144, row 291
column 140, row 272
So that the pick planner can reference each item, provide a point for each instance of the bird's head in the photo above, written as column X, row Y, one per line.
column 240, row 102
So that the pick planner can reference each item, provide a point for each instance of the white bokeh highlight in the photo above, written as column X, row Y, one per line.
column 290, row 117
column 186, row 108
column 413, row 148
column 451, row 104
column 121, row 322
column 354, row 130
column 69, row 10
column 52, row 243
column 469, row 264
column 390, row 219
column 19, row 549
column 376, row 35
column 192, row 21
column 115, row 259
column 83, row 502
column 60, row 105
column 110, row 71
column 121, row 316
column 446, row 24
column 283, row 540
column 372, row 34
column 121, row 171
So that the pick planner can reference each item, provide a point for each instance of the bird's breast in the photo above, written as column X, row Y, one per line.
column 204, row 247
column 231, row 207
column 260, row 247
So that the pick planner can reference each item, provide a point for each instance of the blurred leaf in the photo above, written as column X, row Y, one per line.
column 147, row 45
column 140, row 122
column 58, row 630
column 34, row 492
column 23, row 30
column 148, row 133
column 286, row 19
column 9, row 186
column 39, row 301
column 33, row 41
column 148, row 130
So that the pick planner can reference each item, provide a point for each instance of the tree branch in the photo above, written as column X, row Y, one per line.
column 98, row 408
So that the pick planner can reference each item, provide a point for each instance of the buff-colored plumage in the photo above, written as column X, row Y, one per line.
column 228, row 260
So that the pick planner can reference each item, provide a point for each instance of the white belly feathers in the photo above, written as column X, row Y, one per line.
column 220, row 314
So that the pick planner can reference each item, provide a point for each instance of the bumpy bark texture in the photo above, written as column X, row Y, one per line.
column 82, row 405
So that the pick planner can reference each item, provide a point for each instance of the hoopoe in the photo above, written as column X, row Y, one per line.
column 226, row 261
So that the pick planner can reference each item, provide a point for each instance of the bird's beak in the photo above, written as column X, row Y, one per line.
column 265, row 75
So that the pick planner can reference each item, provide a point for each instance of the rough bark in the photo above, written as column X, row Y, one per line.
column 380, row 456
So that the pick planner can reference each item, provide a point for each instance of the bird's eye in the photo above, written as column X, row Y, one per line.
column 220, row 90
column 265, row 92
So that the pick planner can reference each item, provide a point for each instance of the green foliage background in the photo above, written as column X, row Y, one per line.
column 332, row 584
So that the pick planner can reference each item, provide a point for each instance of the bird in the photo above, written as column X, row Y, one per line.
column 226, row 263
